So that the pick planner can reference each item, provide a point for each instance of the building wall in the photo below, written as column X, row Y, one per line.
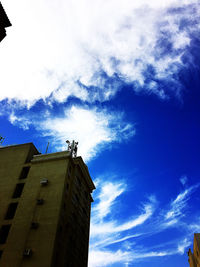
column 59, row 234
column 12, row 161
column 194, row 258
column 73, row 238
column 4, row 22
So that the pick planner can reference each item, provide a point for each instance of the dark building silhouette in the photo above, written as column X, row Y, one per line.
column 45, row 202
column 4, row 22
column 194, row 258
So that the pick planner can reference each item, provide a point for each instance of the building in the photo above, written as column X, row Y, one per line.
column 45, row 202
column 194, row 258
column 4, row 22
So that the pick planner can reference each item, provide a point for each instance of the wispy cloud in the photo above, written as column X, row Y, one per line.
column 93, row 128
column 91, row 48
column 183, row 179
column 183, row 245
column 113, row 227
column 109, row 192
column 179, row 204
column 116, row 241
column 98, row 258
column 20, row 121
column 194, row 227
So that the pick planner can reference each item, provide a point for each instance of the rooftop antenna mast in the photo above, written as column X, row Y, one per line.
column 72, row 148
column 47, row 148
column 1, row 139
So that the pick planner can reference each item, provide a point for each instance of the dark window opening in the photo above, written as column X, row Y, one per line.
column 11, row 211
column 24, row 173
column 44, row 182
column 86, row 194
column 70, row 169
column 4, row 233
column 77, row 198
column 67, row 226
column 27, row 252
column 40, row 201
column 18, row 190
column 67, row 186
column 34, row 225
column 74, row 217
column 79, row 181
column 84, row 211
column 1, row 252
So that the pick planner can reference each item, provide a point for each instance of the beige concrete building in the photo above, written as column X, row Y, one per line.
column 45, row 202
column 194, row 258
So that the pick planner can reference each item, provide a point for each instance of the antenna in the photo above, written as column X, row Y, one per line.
column 1, row 139
column 47, row 148
column 72, row 147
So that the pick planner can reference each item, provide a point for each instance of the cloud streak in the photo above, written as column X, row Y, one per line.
column 179, row 204
column 115, row 241
column 93, row 128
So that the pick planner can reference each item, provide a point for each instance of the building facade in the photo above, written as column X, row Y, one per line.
column 194, row 258
column 45, row 202
column 4, row 23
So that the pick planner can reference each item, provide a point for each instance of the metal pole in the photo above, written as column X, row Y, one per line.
column 47, row 148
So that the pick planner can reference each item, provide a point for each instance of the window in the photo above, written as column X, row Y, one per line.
column 18, row 190
column 40, row 201
column 24, row 173
column 60, row 229
column 34, row 225
column 84, row 211
column 69, row 172
column 4, row 233
column 70, row 169
column 77, row 198
column 27, row 252
column 11, row 211
column 67, row 186
column 86, row 194
column 44, row 182
column 79, row 181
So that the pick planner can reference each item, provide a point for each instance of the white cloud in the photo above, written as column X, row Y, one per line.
column 94, row 129
column 23, row 122
column 183, row 245
column 106, row 231
column 109, row 192
column 195, row 226
column 115, row 241
column 61, row 48
column 179, row 204
column 183, row 179
column 111, row 227
column 100, row 258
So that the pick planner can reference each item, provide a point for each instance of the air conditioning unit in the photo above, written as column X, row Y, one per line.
column 44, row 181
column 34, row 225
column 40, row 201
column 27, row 252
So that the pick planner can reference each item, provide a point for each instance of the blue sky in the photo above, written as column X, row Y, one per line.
column 122, row 78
